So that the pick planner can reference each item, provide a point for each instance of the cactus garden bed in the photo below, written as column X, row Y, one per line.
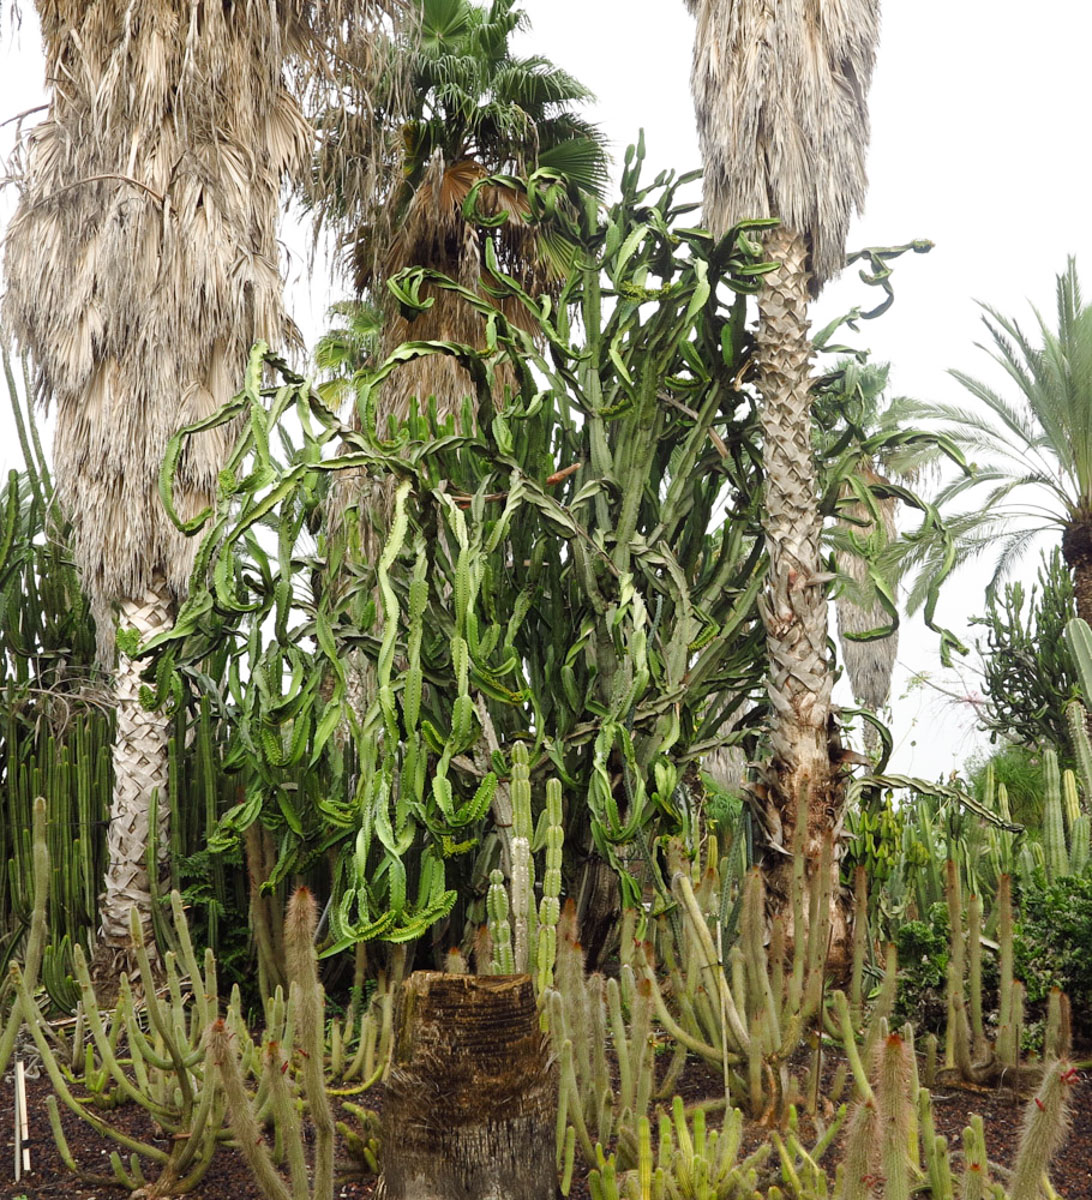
column 229, row 1179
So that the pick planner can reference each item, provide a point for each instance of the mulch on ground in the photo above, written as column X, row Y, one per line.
column 228, row 1177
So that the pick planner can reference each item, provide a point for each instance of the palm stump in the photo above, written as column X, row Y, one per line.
column 471, row 1096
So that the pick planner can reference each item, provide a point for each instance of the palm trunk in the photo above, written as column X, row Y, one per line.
column 794, row 608
column 140, row 773
column 471, row 1097
column 1077, row 552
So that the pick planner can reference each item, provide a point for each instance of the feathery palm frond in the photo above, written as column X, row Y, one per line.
column 1036, row 447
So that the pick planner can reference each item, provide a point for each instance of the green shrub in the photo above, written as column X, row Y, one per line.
column 922, row 948
column 1053, row 944
column 1020, row 769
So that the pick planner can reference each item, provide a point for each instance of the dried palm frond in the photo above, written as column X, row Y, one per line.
column 869, row 664
column 142, row 260
column 435, row 234
column 783, row 123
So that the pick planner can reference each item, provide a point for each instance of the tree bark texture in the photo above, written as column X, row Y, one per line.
column 794, row 606
column 471, row 1098
column 1077, row 552
column 140, row 771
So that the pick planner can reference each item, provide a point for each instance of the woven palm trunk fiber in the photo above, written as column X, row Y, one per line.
column 140, row 772
column 471, row 1097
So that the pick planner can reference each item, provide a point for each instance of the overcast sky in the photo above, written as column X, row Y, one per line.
column 980, row 112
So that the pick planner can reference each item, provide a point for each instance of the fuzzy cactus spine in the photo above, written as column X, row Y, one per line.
column 1046, row 1123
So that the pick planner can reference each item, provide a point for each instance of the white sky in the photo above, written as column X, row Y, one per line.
column 980, row 111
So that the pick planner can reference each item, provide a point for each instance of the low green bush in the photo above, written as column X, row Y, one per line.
column 922, row 948
column 1053, row 944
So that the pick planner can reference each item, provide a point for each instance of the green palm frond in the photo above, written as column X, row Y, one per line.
column 1031, row 449
column 443, row 21
column 581, row 161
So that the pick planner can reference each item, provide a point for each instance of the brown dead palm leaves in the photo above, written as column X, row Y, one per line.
column 142, row 260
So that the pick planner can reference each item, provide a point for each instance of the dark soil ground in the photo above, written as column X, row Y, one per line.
column 228, row 1177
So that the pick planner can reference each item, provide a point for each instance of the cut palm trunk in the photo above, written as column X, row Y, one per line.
column 471, row 1100
column 800, row 778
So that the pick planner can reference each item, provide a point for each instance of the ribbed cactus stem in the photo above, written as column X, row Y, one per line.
column 288, row 1142
column 893, row 1112
column 1077, row 719
column 574, row 1107
column 597, row 1036
column 956, row 954
column 523, row 867
column 849, row 1040
column 1046, row 1123
column 499, row 929
column 32, row 955
column 1059, row 1035
column 300, row 922
column 1071, row 805
column 929, row 1069
column 248, row 1133
column 522, row 902
column 960, row 1031
column 974, row 975
column 776, row 959
column 1004, row 810
column 567, row 1160
column 754, row 1067
column 860, row 942
column 976, row 1169
column 753, row 929
column 644, row 1158
column 1079, row 640
column 1018, row 995
column 1007, row 1048
column 627, row 1089
column 549, row 910
column 1080, row 844
column 857, row 1174
column 929, row 1140
column 1054, row 848
column 641, row 1041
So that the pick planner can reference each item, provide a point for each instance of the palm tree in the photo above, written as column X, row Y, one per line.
column 1032, row 453
column 780, row 95
column 141, row 265
column 864, row 536
column 470, row 109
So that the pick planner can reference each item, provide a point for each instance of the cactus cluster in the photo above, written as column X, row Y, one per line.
column 523, row 937
column 891, row 1147
column 586, row 1014
column 162, row 1068
column 192, row 1066
column 969, row 1054
column 741, row 1002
